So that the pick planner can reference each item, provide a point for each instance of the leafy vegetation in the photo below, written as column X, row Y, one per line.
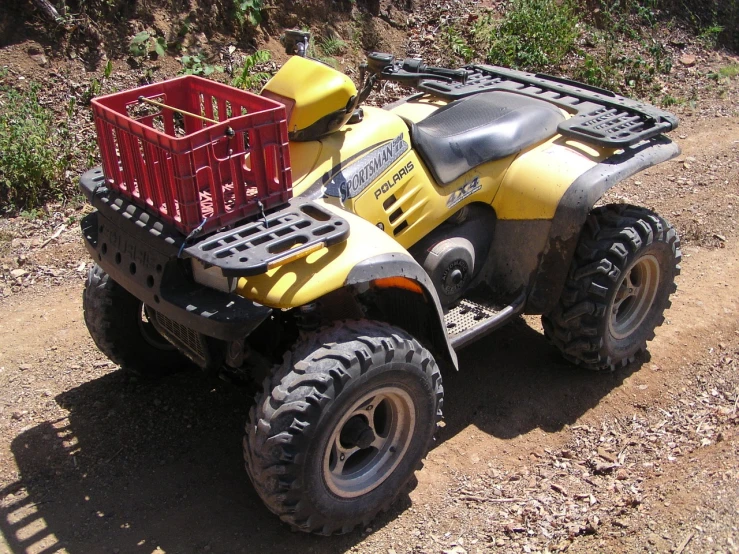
column 531, row 35
column 248, row 12
column 144, row 44
column 250, row 77
column 198, row 64
column 458, row 45
column 33, row 149
column 332, row 46
column 729, row 71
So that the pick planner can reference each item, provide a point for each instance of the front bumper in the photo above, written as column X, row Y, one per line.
column 141, row 254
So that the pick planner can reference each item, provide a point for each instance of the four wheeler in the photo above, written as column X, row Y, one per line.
column 343, row 253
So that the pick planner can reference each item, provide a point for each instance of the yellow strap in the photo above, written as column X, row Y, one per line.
column 183, row 112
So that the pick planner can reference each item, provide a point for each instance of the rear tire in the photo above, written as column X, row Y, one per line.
column 618, row 287
column 342, row 425
column 118, row 323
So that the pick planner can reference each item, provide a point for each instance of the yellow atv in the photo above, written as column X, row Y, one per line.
column 412, row 231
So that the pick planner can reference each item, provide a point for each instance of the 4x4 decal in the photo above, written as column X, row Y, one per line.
column 468, row 189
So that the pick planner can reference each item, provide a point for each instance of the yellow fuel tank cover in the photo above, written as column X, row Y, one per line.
column 316, row 97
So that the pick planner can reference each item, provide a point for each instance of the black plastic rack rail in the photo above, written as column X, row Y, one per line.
column 257, row 246
column 601, row 117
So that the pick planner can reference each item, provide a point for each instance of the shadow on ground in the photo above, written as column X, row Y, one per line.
column 143, row 465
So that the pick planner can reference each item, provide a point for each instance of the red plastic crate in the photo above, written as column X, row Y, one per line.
column 187, row 170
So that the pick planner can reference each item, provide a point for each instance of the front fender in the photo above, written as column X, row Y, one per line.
column 367, row 255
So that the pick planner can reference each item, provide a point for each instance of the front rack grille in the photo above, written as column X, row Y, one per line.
column 250, row 249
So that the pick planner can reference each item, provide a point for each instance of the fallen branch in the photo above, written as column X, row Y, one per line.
column 48, row 9
column 685, row 542
column 54, row 236
column 472, row 498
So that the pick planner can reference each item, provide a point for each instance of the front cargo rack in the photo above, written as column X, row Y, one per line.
column 294, row 231
column 601, row 117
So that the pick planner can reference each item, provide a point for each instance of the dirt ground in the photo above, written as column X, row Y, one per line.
column 533, row 455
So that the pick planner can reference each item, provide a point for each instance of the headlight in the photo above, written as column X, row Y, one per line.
column 212, row 277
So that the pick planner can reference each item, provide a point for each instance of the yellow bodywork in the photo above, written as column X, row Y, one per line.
column 321, row 272
column 402, row 204
column 537, row 179
column 310, row 91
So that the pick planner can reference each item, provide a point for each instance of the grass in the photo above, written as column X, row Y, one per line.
column 333, row 46
column 729, row 71
column 532, row 34
column 34, row 149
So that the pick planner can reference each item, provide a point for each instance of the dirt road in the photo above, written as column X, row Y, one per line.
column 533, row 455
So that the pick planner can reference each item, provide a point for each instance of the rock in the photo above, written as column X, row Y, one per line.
column 38, row 56
column 455, row 550
column 17, row 273
column 603, row 453
column 24, row 367
column 622, row 474
column 688, row 60
column 621, row 523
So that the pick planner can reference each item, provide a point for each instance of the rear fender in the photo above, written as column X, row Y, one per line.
column 542, row 205
column 573, row 209
column 368, row 259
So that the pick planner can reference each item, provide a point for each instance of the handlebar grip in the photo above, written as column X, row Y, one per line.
column 453, row 74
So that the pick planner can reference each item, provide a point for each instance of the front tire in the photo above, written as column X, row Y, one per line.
column 119, row 325
column 618, row 287
column 342, row 425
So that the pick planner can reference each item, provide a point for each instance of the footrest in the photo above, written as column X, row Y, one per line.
column 466, row 315
column 469, row 320
column 251, row 249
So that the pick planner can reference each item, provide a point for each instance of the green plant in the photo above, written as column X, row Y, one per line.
column 249, row 76
column 198, row 65
column 33, row 149
column 669, row 100
column 709, row 35
column 248, row 11
column 593, row 72
column 91, row 91
column 729, row 71
column 144, row 44
column 459, row 45
column 332, row 46
column 531, row 35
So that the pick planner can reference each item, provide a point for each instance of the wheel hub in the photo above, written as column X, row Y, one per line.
column 634, row 297
column 357, row 432
column 369, row 441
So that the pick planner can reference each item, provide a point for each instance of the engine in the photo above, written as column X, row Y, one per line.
column 453, row 253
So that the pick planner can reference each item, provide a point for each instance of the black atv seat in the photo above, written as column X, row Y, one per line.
column 479, row 129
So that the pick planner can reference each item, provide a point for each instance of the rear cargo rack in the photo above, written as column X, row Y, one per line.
column 600, row 117
column 295, row 231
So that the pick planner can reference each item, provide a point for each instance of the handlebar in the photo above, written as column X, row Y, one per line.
column 409, row 71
